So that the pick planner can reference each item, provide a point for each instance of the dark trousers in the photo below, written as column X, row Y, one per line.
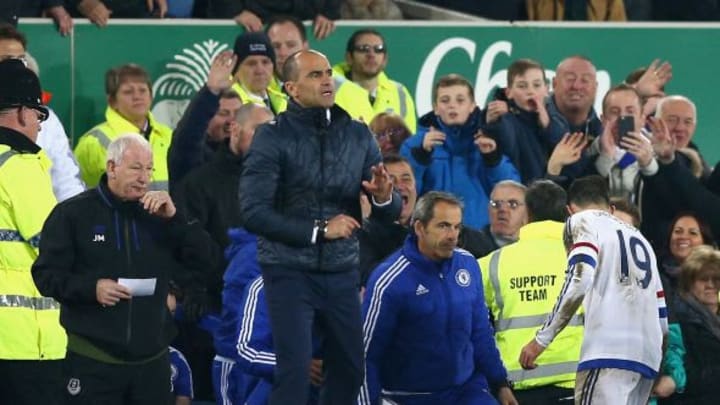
column 297, row 300
column 30, row 382
column 92, row 382
column 549, row 395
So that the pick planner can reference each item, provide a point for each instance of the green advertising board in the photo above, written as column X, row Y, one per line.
column 178, row 53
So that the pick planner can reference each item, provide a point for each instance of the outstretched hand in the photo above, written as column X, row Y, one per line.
column 655, row 77
column 380, row 185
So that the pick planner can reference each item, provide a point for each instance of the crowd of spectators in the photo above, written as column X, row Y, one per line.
column 508, row 163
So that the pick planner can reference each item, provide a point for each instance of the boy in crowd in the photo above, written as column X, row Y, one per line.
column 450, row 153
column 518, row 120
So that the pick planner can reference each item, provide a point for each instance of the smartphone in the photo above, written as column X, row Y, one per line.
column 625, row 124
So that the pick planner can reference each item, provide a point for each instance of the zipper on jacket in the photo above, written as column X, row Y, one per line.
column 126, row 235
column 323, row 135
column 448, row 302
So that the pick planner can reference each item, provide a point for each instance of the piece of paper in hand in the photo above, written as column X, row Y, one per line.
column 139, row 287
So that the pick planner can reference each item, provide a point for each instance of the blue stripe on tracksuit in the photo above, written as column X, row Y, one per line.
column 228, row 382
column 427, row 333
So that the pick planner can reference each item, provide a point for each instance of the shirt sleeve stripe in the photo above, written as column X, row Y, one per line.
column 582, row 258
column 586, row 244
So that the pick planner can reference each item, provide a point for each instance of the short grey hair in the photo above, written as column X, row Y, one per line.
column 425, row 207
column 246, row 110
column 117, row 148
column 510, row 183
column 677, row 97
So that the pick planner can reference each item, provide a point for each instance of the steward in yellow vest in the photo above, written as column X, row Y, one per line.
column 254, row 70
column 129, row 96
column 366, row 57
column 522, row 282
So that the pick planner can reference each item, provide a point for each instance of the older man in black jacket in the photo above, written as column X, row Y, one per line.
column 107, row 255
column 301, row 185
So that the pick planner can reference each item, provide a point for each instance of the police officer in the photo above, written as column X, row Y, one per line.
column 522, row 281
column 32, row 342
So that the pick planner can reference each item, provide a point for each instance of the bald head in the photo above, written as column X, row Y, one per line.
column 308, row 79
column 574, row 87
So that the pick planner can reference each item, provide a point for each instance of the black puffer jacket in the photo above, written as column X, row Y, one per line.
column 300, row 169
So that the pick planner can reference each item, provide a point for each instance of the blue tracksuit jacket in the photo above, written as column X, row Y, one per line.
column 426, row 326
column 243, row 267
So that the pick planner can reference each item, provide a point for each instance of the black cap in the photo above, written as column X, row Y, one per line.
column 253, row 43
column 19, row 86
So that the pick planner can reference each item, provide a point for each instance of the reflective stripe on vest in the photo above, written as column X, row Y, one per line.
column 548, row 370
column 100, row 136
column 21, row 301
column 403, row 100
column 531, row 321
column 6, row 155
column 11, row 235
column 494, row 261
column 518, row 322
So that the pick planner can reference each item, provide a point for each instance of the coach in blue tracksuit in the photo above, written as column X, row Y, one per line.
column 427, row 335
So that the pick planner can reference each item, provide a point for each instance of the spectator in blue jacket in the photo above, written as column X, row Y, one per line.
column 427, row 333
column 450, row 153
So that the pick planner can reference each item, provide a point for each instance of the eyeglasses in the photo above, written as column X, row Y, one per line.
column 365, row 48
column 41, row 116
column 513, row 204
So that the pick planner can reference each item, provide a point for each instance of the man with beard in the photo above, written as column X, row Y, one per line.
column 365, row 60
column 207, row 121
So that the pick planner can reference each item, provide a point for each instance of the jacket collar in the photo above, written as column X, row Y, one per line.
column 473, row 122
column 316, row 117
column 17, row 141
column 590, row 126
column 112, row 200
column 411, row 251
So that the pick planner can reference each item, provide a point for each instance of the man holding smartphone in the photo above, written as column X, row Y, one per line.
column 624, row 150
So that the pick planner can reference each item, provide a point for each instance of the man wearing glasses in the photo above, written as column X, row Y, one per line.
column 507, row 213
column 522, row 281
column 52, row 138
column 33, row 342
column 365, row 60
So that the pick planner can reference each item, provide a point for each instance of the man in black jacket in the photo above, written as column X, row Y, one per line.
column 300, row 194
column 207, row 121
column 107, row 255
column 209, row 194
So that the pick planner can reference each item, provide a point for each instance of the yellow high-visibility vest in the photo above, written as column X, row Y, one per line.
column 522, row 282
column 91, row 149
column 29, row 323
column 390, row 96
